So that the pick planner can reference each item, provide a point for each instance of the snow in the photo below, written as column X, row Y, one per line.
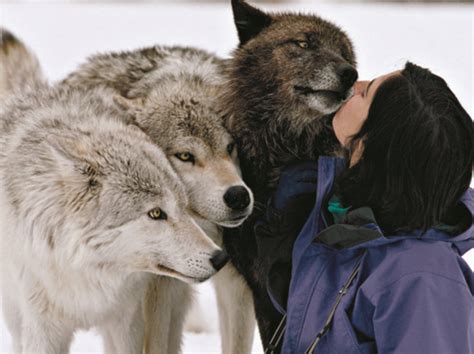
column 385, row 36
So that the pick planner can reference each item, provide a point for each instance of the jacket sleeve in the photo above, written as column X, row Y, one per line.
column 275, row 234
column 424, row 313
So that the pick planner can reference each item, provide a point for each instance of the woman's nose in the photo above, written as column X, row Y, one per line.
column 360, row 86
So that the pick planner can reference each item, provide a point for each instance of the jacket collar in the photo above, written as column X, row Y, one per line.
column 360, row 228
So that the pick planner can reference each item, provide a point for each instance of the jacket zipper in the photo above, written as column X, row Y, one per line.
column 277, row 336
column 330, row 318
column 281, row 328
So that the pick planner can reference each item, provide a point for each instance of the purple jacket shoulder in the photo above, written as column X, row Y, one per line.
column 356, row 290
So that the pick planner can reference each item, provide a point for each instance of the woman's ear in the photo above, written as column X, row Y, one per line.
column 356, row 153
column 249, row 20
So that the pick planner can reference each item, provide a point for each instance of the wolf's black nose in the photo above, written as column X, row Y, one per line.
column 237, row 198
column 219, row 259
column 348, row 75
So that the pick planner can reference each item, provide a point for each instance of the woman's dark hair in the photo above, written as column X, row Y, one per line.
column 418, row 153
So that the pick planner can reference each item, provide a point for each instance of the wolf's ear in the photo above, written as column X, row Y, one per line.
column 76, row 168
column 129, row 104
column 249, row 20
column 79, row 171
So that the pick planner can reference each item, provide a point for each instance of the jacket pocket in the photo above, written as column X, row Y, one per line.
column 358, row 341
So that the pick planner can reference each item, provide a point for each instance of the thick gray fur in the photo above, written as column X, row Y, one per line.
column 77, row 240
column 171, row 94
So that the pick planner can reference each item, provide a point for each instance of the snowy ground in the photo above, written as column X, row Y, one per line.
column 385, row 36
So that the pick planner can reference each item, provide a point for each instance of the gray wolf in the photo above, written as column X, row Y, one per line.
column 90, row 209
column 286, row 78
column 171, row 94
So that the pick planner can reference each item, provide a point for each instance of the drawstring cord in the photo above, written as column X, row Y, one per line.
column 330, row 318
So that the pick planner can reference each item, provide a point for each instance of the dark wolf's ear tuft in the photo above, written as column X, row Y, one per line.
column 249, row 20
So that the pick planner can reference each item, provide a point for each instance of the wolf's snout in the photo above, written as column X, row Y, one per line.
column 348, row 75
column 237, row 198
column 219, row 259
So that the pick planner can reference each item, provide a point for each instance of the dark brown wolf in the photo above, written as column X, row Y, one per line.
column 288, row 76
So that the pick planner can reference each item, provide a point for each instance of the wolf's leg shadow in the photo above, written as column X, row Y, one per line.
column 124, row 333
column 236, row 311
column 165, row 307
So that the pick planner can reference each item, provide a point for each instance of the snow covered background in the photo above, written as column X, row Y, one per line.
column 439, row 37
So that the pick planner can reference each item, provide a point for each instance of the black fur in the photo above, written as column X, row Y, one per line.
column 273, row 124
column 249, row 20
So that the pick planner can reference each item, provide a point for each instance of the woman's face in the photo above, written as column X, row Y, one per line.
column 350, row 117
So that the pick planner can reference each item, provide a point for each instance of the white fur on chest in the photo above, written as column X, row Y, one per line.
column 81, row 297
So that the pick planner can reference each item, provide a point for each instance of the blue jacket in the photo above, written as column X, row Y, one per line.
column 354, row 290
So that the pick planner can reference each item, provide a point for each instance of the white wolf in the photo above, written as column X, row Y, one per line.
column 90, row 209
column 172, row 94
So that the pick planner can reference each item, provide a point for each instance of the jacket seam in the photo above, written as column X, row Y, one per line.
column 386, row 288
column 305, row 312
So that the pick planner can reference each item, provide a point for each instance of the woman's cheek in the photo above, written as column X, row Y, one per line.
column 338, row 126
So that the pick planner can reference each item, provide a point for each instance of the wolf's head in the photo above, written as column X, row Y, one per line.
column 135, row 206
column 301, row 60
column 178, row 110
column 99, row 193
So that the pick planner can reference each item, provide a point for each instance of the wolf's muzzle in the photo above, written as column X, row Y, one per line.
column 237, row 198
column 348, row 75
column 219, row 259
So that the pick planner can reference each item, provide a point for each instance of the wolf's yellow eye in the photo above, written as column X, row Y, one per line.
column 185, row 156
column 157, row 214
column 303, row 44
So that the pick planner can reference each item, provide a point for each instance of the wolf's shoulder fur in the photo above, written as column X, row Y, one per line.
column 45, row 108
column 131, row 72
column 171, row 91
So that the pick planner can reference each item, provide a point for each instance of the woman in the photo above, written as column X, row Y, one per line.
column 377, row 266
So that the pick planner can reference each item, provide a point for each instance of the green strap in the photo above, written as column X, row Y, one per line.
column 337, row 210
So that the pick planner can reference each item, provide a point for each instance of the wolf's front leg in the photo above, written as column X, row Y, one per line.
column 41, row 335
column 182, row 299
column 166, row 303
column 124, row 334
column 236, row 311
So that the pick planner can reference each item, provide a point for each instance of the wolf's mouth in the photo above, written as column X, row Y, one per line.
column 172, row 272
column 233, row 222
column 238, row 218
column 335, row 95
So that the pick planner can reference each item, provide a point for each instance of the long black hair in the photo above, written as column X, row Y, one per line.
column 417, row 154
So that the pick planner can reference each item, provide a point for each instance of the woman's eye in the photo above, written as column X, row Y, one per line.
column 185, row 156
column 157, row 214
column 230, row 148
column 303, row 44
